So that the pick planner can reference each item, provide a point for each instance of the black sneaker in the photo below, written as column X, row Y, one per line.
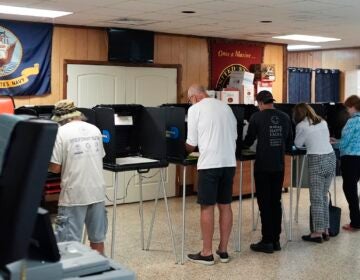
column 198, row 258
column 312, row 239
column 262, row 247
column 276, row 246
column 224, row 256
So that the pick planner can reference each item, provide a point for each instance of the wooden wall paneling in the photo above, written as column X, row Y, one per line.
column 204, row 63
column 81, row 44
column 273, row 54
column 162, row 49
column 193, row 62
column 56, row 66
column 179, row 56
column 285, row 75
column 97, row 45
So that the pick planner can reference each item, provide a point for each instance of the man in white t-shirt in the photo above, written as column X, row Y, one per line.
column 77, row 155
column 212, row 128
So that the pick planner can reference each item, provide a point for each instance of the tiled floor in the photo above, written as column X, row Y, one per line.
column 337, row 259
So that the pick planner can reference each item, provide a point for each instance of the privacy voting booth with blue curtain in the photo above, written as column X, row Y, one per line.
column 299, row 84
column 25, row 54
column 327, row 83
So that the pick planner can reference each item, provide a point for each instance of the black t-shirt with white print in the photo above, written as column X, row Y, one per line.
column 273, row 131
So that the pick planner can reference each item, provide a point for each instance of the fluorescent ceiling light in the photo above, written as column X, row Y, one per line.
column 306, row 38
column 302, row 47
column 31, row 12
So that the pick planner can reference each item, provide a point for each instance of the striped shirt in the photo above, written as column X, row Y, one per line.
column 350, row 137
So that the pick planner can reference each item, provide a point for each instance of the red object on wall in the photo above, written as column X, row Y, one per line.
column 227, row 57
column 7, row 104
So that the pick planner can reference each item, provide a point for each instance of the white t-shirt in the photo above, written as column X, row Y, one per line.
column 212, row 127
column 79, row 150
column 315, row 138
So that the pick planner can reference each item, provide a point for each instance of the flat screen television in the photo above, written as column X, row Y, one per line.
column 131, row 46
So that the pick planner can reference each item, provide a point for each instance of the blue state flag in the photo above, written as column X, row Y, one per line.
column 25, row 58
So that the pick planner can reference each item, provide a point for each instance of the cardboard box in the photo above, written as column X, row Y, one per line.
column 260, row 85
column 264, row 72
column 230, row 96
column 239, row 78
column 247, row 94
column 211, row 93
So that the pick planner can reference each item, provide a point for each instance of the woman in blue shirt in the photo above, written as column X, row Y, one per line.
column 350, row 160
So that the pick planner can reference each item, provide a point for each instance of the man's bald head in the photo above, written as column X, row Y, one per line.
column 196, row 89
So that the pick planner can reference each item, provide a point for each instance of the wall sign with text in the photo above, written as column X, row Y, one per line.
column 227, row 57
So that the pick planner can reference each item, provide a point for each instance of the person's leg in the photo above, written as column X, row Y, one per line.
column 96, row 225
column 316, row 185
column 207, row 228
column 224, row 199
column 70, row 223
column 329, row 169
column 350, row 174
column 225, row 222
column 100, row 247
column 207, row 191
column 277, row 180
column 263, row 194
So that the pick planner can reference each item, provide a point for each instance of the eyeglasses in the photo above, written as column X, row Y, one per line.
column 189, row 100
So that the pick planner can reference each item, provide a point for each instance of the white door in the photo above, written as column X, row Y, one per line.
column 90, row 85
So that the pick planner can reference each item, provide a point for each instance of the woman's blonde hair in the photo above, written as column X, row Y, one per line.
column 302, row 111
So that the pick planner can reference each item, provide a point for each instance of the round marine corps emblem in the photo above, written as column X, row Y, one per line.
column 10, row 52
column 224, row 77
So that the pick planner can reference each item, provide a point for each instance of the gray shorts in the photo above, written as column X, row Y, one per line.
column 71, row 219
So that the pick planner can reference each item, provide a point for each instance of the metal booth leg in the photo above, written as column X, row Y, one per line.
column 168, row 213
column 252, row 194
column 153, row 216
column 239, row 226
column 141, row 212
column 298, row 188
column 284, row 220
column 291, row 198
column 183, row 216
column 113, row 229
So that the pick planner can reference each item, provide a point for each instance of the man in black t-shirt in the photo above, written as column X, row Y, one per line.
column 272, row 129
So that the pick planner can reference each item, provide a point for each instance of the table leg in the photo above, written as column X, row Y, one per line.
column 113, row 229
column 153, row 216
column 168, row 213
column 183, row 217
column 252, row 194
column 299, row 188
column 238, row 247
column 291, row 198
column 141, row 212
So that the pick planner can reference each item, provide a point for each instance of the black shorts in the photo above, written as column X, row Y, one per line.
column 215, row 185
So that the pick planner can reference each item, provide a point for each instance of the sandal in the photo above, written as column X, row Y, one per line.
column 349, row 227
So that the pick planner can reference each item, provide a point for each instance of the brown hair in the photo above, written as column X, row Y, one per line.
column 353, row 101
column 302, row 111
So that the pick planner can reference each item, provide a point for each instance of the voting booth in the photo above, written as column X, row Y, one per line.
column 131, row 130
column 134, row 139
column 27, row 244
